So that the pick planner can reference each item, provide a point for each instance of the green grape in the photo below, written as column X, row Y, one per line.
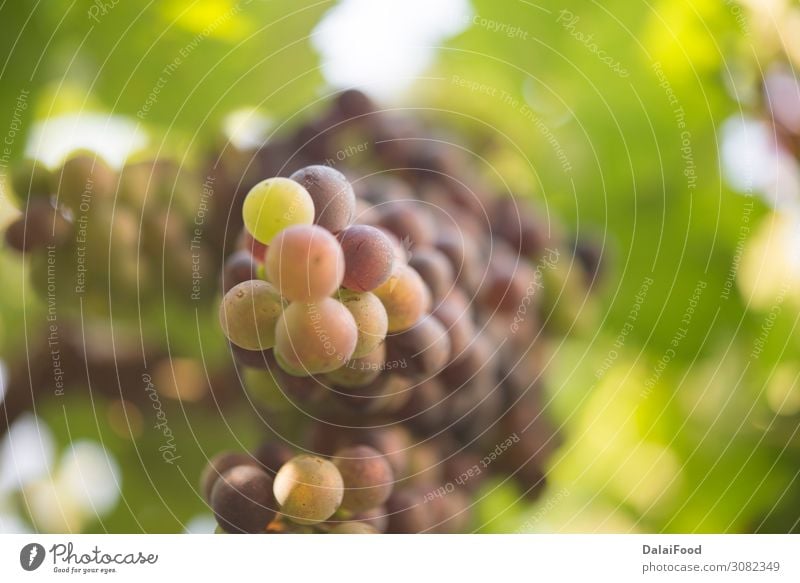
column 305, row 262
column 371, row 320
column 367, row 476
column 309, row 489
column 315, row 338
column 275, row 204
column 248, row 314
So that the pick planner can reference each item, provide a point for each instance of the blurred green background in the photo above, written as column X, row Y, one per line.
column 626, row 121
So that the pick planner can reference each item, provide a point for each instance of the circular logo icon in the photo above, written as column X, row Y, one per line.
column 31, row 556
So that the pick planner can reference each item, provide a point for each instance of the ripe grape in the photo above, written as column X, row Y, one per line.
column 405, row 297
column 316, row 337
column 249, row 312
column 272, row 455
column 409, row 222
column 242, row 500
column 367, row 476
column 239, row 267
column 370, row 317
column 333, row 197
column 408, row 513
column 425, row 347
column 305, row 262
column 218, row 465
column 275, row 204
column 435, row 270
column 309, row 489
column 42, row 224
column 368, row 255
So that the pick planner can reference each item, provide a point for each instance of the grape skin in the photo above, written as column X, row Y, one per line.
column 315, row 337
column 405, row 297
column 306, row 263
column 371, row 320
column 369, row 257
column 367, row 477
column 331, row 193
column 309, row 489
column 248, row 314
column 242, row 500
column 275, row 204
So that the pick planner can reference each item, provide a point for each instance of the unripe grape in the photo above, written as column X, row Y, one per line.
column 248, row 314
column 309, row 489
column 370, row 317
column 275, row 204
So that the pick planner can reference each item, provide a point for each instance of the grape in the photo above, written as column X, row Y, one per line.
column 309, row 489
column 516, row 222
column 394, row 442
column 409, row 222
column 385, row 394
column 275, row 204
column 464, row 257
column 468, row 364
column 507, row 285
column 218, row 465
column 239, row 267
column 242, row 500
column 272, row 455
column 353, row 103
column 316, row 337
column 331, row 193
column 405, row 297
column 454, row 313
column 370, row 317
column 367, row 477
column 31, row 178
column 83, row 178
column 408, row 513
column 359, row 372
column 435, row 270
column 305, row 262
column 248, row 314
column 425, row 347
column 375, row 517
column 42, row 225
column 426, row 408
column 354, row 527
column 368, row 256
column 247, row 243
column 399, row 248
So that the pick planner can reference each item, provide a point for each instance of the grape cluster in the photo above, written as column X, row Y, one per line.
column 276, row 491
column 98, row 237
column 408, row 312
